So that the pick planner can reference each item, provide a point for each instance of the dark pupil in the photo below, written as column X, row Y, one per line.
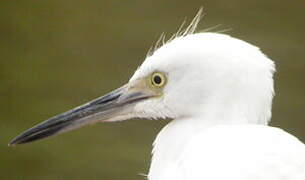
column 157, row 79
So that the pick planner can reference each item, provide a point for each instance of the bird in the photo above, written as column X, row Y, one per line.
column 217, row 91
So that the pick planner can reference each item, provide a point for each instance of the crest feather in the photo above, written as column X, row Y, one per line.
column 182, row 31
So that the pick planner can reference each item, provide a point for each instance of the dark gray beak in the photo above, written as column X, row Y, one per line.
column 117, row 105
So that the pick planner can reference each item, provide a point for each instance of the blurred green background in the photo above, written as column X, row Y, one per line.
column 55, row 55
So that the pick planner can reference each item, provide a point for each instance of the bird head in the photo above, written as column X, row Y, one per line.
column 207, row 76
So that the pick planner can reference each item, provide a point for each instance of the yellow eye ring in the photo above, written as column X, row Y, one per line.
column 158, row 79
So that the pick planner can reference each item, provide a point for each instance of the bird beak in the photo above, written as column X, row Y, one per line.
column 114, row 106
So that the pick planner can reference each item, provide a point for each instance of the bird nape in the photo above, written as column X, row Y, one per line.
column 218, row 92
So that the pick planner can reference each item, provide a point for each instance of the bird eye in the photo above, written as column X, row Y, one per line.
column 158, row 79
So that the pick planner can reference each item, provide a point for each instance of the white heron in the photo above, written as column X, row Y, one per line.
column 218, row 92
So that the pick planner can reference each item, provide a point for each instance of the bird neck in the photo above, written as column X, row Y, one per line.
column 171, row 141
column 175, row 135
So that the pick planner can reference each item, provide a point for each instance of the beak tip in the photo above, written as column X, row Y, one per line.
column 17, row 141
column 13, row 142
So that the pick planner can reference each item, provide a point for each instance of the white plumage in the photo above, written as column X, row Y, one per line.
column 218, row 92
column 219, row 96
column 239, row 152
